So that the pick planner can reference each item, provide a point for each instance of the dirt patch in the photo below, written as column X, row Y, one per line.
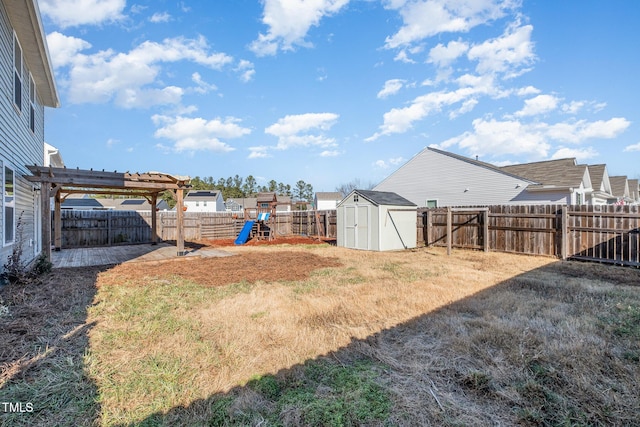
column 253, row 267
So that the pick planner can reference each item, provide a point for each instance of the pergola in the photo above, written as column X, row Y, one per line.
column 61, row 182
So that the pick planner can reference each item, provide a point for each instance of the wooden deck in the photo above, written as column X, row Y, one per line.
column 84, row 257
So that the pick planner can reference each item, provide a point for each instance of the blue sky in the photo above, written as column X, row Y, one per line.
column 328, row 91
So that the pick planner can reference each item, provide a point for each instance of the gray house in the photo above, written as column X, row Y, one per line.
column 28, row 85
column 435, row 178
column 602, row 193
column 377, row 221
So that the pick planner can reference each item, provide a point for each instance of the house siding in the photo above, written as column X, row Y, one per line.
column 19, row 146
column 434, row 176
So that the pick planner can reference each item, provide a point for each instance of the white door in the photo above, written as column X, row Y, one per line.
column 350, row 227
column 362, row 228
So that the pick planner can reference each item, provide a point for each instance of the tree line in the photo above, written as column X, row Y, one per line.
column 237, row 187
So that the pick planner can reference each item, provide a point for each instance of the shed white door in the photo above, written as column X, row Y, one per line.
column 356, row 227
column 362, row 228
column 350, row 226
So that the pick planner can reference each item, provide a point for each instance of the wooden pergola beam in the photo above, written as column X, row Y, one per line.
column 56, row 182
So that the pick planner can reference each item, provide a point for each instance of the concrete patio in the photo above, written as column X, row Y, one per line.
column 84, row 257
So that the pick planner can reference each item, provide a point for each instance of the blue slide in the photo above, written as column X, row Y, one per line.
column 244, row 233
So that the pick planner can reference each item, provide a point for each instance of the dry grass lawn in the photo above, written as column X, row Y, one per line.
column 308, row 335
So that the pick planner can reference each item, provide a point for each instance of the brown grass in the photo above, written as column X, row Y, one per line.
column 471, row 339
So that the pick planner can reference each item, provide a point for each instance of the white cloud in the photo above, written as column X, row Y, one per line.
column 303, row 130
column 63, row 49
column 330, row 153
column 381, row 164
column 540, row 104
column 573, row 107
column 497, row 138
column 526, row 91
column 246, row 70
column 289, row 21
column 259, row 152
column 70, row 13
column 130, row 79
column 534, row 140
column 400, row 120
column 202, row 87
column 391, row 87
column 426, row 18
column 634, row 147
column 160, row 17
column 403, row 57
column 507, row 54
column 196, row 134
column 443, row 56
column 581, row 154
column 386, row 164
column 577, row 132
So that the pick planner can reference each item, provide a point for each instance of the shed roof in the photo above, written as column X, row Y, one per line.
column 380, row 198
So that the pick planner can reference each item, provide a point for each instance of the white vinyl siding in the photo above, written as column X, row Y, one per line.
column 431, row 175
column 21, row 142
column 9, row 205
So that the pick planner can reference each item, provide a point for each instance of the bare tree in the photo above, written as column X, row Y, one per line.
column 355, row 184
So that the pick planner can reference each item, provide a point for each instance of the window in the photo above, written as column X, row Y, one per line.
column 578, row 198
column 355, row 198
column 432, row 203
column 17, row 73
column 9, row 206
column 32, row 104
column 264, row 205
column 204, row 203
column 197, row 203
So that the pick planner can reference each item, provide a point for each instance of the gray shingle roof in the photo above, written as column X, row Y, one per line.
column 560, row 173
column 384, row 198
column 618, row 184
column 597, row 175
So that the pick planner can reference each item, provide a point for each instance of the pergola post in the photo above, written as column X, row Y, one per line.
column 45, row 220
column 180, row 221
column 154, row 219
column 57, row 219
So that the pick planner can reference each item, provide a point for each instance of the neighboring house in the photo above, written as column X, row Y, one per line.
column 239, row 204
column 620, row 190
column 204, row 201
column 601, row 194
column 436, row 178
column 52, row 156
column 326, row 200
column 84, row 202
column 634, row 191
column 28, row 85
column 559, row 181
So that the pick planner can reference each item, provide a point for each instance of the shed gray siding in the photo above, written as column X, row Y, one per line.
column 367, row 224
column 19, row 146
column 432, row 175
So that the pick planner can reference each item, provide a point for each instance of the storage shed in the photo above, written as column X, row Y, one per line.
column 376, row 221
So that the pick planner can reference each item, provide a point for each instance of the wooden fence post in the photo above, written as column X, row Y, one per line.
column 564, row 235
column 427, row 226
column 449, row 231
column 485, row 230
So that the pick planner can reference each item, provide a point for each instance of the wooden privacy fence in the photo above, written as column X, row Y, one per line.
column 85, row 228
column 596, row 233
column 604, row 233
